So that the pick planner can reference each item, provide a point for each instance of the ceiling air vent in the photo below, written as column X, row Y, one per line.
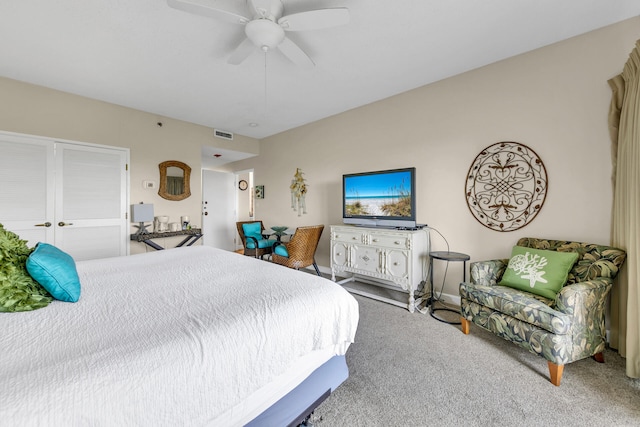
column 223, row 134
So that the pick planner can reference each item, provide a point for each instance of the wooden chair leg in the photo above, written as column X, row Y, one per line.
column 555, row 373
column 464, row 325
column 599, row 357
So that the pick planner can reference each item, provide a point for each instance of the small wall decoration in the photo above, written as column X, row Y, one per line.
column 506, row 186
column 259, row 191
column 298, row 192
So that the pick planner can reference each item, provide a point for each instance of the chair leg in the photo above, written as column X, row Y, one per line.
column 599, row 357
column 317, row 269
column 464, row 325
column 555, row 373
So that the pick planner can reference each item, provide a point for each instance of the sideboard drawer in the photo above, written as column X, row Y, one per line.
column 348, row 236
column 398, row 242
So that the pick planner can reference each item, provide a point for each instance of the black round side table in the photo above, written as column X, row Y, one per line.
column 449, row 257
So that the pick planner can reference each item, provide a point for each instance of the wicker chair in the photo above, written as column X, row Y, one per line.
column 299, row 251
column 253, row 246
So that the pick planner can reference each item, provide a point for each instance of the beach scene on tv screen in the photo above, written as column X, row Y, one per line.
column 386, row 194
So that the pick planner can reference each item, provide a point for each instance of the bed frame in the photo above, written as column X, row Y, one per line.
column 296, row 407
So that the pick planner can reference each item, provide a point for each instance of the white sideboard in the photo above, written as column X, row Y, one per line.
column 388, row 256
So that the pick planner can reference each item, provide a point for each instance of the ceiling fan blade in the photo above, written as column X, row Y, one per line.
column 208, row 8
column 270, row 9
column 242, row 52
column 315, row 19
column 295, row 54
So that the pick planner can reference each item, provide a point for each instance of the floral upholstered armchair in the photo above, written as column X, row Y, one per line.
column 563, row 329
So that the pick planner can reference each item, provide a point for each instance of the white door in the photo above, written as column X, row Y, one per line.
column 28, row 188
column 91, row 203
column 73, row 196
column 218, row 209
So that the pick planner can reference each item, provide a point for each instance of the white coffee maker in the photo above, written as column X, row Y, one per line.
column 161, row 224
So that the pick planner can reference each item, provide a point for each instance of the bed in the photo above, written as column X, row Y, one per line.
column 190, row 336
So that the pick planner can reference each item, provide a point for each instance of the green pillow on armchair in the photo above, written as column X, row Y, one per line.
column 537, row 271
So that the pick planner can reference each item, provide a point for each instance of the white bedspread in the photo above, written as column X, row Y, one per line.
column 186, row 336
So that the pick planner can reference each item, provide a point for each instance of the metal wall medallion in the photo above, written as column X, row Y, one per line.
column 506, row 186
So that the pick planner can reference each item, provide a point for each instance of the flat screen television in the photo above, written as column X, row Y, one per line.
column 384, row 198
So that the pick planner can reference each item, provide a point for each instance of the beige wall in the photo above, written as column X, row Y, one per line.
column 244, row 199
column 36, row 110
column 554, row 100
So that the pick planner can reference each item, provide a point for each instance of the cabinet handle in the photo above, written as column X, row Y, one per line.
column 46, row 224
column 354, row 238
column 395, row 263
column 396, row 242
column 375, row 240
column 62, row 224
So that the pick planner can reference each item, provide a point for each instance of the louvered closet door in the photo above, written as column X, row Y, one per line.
column 27, row 188
column 90, row 201
column 73, row 196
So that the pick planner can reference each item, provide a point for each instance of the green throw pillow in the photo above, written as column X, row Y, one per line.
column 538, row 271
column 18, row 290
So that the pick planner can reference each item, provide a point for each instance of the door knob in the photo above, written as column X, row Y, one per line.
column 62, row 224
column 46, row 224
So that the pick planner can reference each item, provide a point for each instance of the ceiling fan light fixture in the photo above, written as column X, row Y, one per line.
column 265, row 25
column 264, row 33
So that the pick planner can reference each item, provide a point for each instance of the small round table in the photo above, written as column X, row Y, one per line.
column 279, row 231
column 449, row 257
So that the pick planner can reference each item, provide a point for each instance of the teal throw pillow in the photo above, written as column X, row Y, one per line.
column 252, row 229
column 281, row 250
column 263, row 243
column 538, row 271
column 18, row 290
column 56, row 271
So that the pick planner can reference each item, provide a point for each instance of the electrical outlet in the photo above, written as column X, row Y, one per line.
column 148, row 184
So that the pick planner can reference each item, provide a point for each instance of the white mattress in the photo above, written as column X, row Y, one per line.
column 188, row 336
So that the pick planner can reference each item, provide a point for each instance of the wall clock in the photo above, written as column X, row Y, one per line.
column 506, row 186
column 242, row 185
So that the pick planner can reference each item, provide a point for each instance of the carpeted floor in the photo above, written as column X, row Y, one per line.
column 411, row 370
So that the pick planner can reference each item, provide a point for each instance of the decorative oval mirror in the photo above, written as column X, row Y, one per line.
column 175, row 178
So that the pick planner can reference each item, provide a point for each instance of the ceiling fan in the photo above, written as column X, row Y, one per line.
column 265, row 25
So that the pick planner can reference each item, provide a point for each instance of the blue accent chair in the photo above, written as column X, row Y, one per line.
column 255, row 242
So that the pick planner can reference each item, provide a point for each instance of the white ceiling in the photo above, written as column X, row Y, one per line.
column 145, row 55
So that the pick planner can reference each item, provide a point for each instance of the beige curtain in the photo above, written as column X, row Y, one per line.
column 624, row 124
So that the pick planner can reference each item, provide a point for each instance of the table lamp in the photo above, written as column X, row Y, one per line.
column 142, row 213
